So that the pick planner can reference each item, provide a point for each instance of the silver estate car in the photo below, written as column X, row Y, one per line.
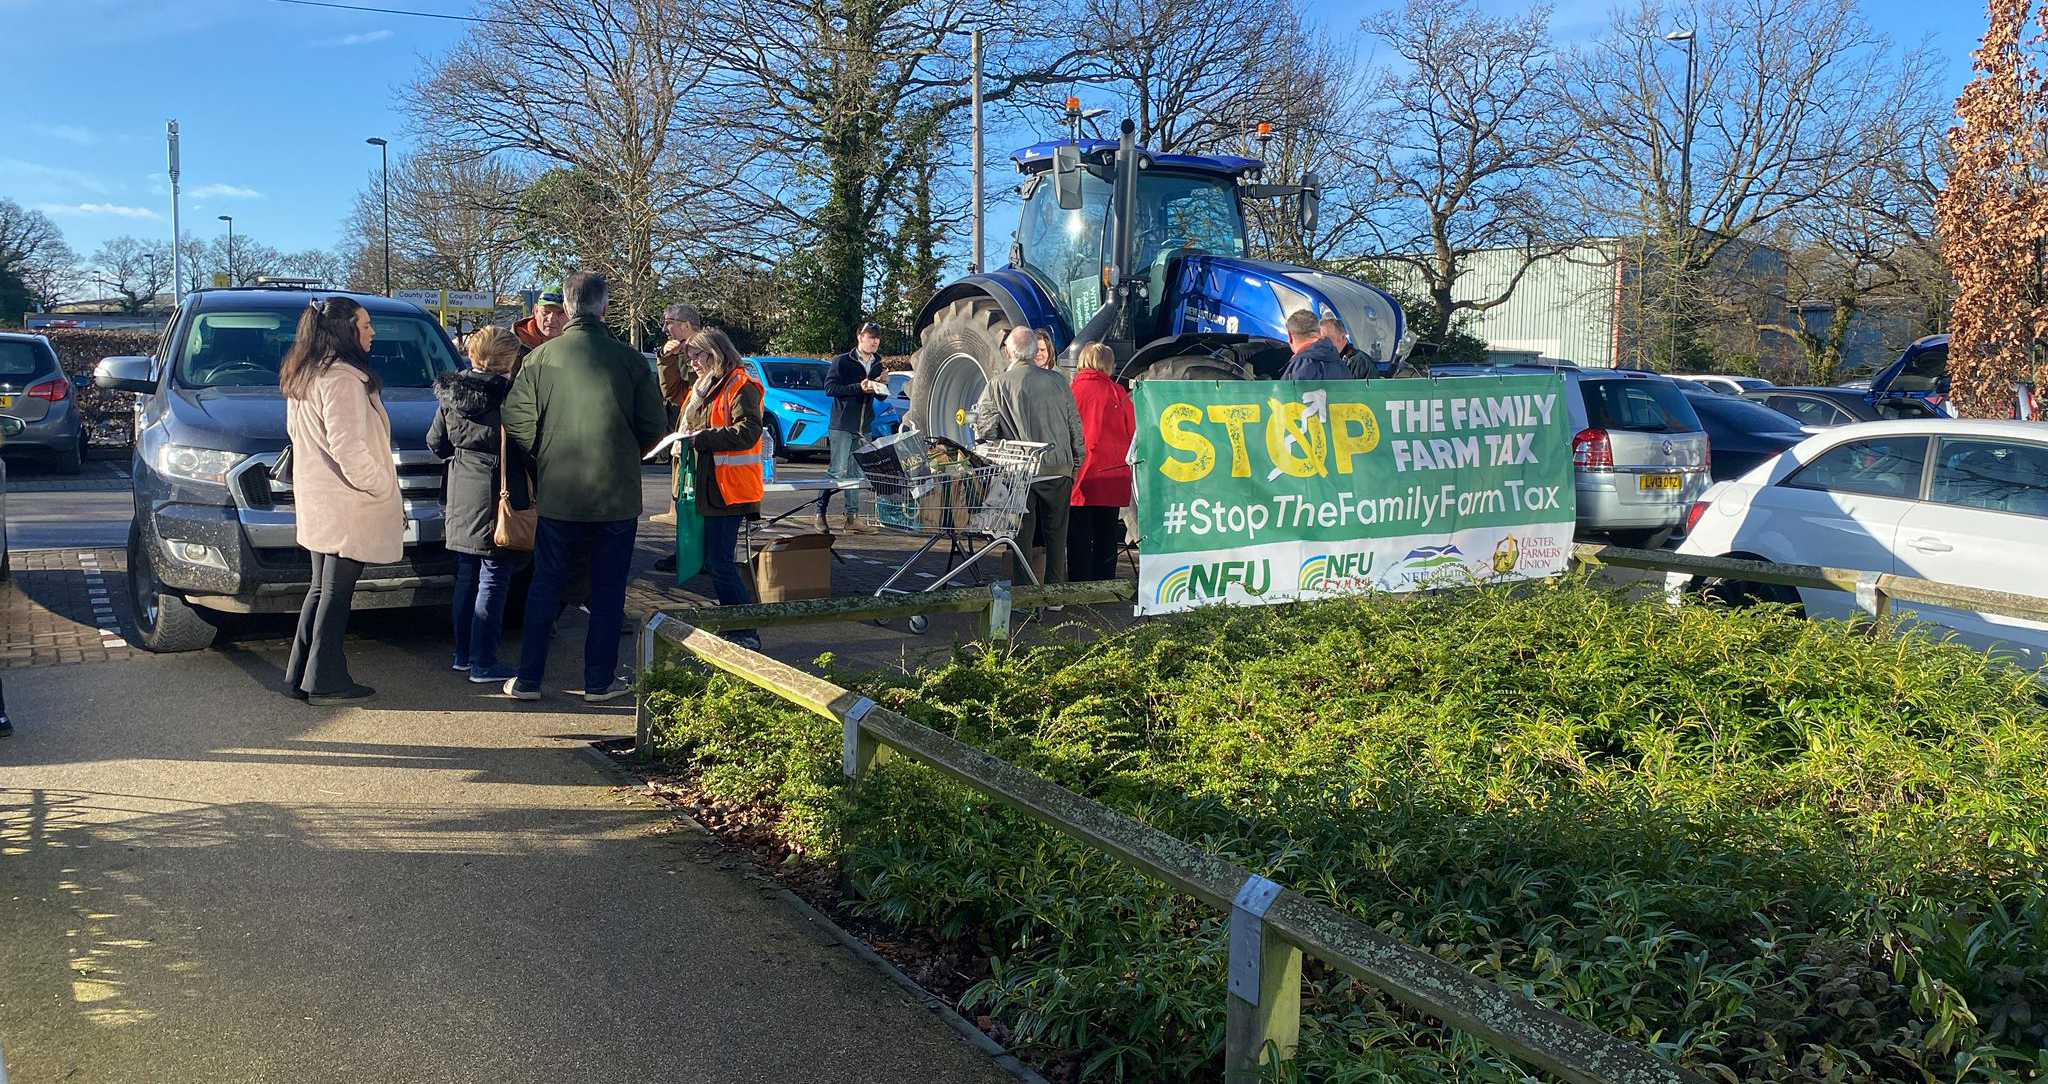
column 1639, row 454
column 34, row 389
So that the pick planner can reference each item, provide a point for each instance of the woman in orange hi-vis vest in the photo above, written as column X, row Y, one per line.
column 723, row 420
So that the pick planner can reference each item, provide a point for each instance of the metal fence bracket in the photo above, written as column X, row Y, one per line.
column 857, row 750
column 999, row 611
column 1265, row 984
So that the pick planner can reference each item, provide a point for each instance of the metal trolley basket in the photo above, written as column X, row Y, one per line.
column 956, row 495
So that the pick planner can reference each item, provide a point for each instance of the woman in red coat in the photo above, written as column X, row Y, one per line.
column 1095, row 530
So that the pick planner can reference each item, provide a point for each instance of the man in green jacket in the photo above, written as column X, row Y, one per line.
column 586, row 408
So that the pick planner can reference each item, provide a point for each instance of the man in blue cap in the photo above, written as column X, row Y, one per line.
column 547, row 321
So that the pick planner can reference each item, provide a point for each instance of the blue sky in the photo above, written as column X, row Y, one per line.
column 274, row 101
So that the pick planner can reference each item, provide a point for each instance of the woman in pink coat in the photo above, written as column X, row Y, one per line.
column 344, row 485
column 1095, row 527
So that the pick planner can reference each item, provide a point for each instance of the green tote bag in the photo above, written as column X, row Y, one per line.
column 689, row 530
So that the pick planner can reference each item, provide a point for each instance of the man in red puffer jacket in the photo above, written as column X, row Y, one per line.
column 1095, row 528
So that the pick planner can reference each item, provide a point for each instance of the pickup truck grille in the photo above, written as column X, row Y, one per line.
column 420, row 476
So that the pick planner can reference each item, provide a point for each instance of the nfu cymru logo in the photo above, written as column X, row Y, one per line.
column 1196, row 583
column 1336, row 572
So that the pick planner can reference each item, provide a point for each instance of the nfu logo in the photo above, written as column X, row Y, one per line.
column 1336, row 572
column 1194, row 583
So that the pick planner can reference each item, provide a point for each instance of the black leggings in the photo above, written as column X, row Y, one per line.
column 317, row 666
column 1095, row 534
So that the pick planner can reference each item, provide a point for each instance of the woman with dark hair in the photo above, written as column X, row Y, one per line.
column 344, row 486
column 723, row 420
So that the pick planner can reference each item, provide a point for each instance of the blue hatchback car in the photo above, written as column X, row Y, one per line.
column 794, row 406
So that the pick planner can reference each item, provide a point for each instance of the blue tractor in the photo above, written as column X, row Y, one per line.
column 1147, row 253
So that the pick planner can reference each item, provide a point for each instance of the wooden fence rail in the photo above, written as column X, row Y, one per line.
column 1270, row 927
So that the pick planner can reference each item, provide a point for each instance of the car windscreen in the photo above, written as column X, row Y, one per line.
column 1637, row 406
column 20, row 358
column 230, row 349
column 794, row 375
column 1742, row 415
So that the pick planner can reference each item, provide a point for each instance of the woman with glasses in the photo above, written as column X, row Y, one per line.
column 722, row 425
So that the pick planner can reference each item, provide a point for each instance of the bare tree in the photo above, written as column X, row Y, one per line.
column 1868, row 251
column 1190, row 74
column 1474, row 135
column 33, row 254
column 453, row 225
column 138, row 270
column 611, row 91
column 1315, row 102
column 1792, row 99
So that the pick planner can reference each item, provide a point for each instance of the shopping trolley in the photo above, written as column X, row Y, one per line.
column 967, row 498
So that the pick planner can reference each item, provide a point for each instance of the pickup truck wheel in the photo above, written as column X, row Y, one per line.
column 164, row 623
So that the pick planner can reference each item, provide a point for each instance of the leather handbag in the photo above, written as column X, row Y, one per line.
column 515, row 526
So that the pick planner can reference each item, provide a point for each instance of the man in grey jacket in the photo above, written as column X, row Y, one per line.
column 1026, row 402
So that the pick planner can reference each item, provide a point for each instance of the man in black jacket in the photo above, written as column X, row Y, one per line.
column 854, row 383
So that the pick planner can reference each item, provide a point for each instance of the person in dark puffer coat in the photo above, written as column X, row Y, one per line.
column 468, row 432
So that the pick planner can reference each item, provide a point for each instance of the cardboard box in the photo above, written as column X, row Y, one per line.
column 792, row 568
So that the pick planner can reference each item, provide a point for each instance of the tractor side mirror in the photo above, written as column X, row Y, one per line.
column 1311, row 202
column 1066, row 176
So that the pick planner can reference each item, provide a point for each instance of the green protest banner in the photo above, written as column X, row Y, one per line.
column 1267, row 491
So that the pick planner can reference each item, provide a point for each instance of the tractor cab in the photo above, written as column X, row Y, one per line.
column 1147, row 254
column 1185, row 205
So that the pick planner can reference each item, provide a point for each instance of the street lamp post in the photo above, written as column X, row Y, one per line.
column 1683, row 39
column 230, row 220
column 384, row 152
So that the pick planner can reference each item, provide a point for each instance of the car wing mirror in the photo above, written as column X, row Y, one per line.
column 136, row 374
column 11, row 427
column 1066, row 176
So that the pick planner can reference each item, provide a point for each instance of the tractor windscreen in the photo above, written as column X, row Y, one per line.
column 1066, row 249
column 1182, row 214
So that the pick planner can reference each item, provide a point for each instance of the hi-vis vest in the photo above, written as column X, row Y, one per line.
column 738, row 473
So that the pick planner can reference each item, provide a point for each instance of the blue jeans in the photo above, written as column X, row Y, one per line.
column 843, row 468
column 482, row 585
column 556, row 544
column 721, row 538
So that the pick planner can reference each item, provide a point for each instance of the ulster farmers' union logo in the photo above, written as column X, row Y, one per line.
column 1507, row 556
column 1195, row 583
column 1336, row 572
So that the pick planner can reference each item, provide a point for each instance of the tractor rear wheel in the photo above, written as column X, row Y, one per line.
column 962, row 352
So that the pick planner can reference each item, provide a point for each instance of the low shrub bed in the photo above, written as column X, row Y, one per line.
column 1772, row 849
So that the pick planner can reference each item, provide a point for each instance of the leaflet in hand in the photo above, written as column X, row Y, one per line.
column 668, row 442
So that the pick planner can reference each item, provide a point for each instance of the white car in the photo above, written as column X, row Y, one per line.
column 1725, row 385
column 1956, row 502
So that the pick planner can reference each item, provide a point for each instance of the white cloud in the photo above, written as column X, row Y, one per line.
column 52, row 176
column 367, row 38
column 115, row 209
column 225, row 191
column 69, row 133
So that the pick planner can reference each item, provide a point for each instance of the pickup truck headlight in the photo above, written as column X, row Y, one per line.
column 206, row 465
column 791, row 406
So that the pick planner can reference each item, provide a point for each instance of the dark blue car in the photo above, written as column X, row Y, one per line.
column 1919, row 373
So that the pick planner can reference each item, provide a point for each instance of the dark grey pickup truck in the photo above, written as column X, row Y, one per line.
column 213, row 533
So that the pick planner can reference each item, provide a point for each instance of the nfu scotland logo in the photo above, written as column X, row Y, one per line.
column 1336, row 572
column 1196, row 583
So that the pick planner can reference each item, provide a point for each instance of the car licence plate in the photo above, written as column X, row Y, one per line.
column 6, row 401
column 1660, row 481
